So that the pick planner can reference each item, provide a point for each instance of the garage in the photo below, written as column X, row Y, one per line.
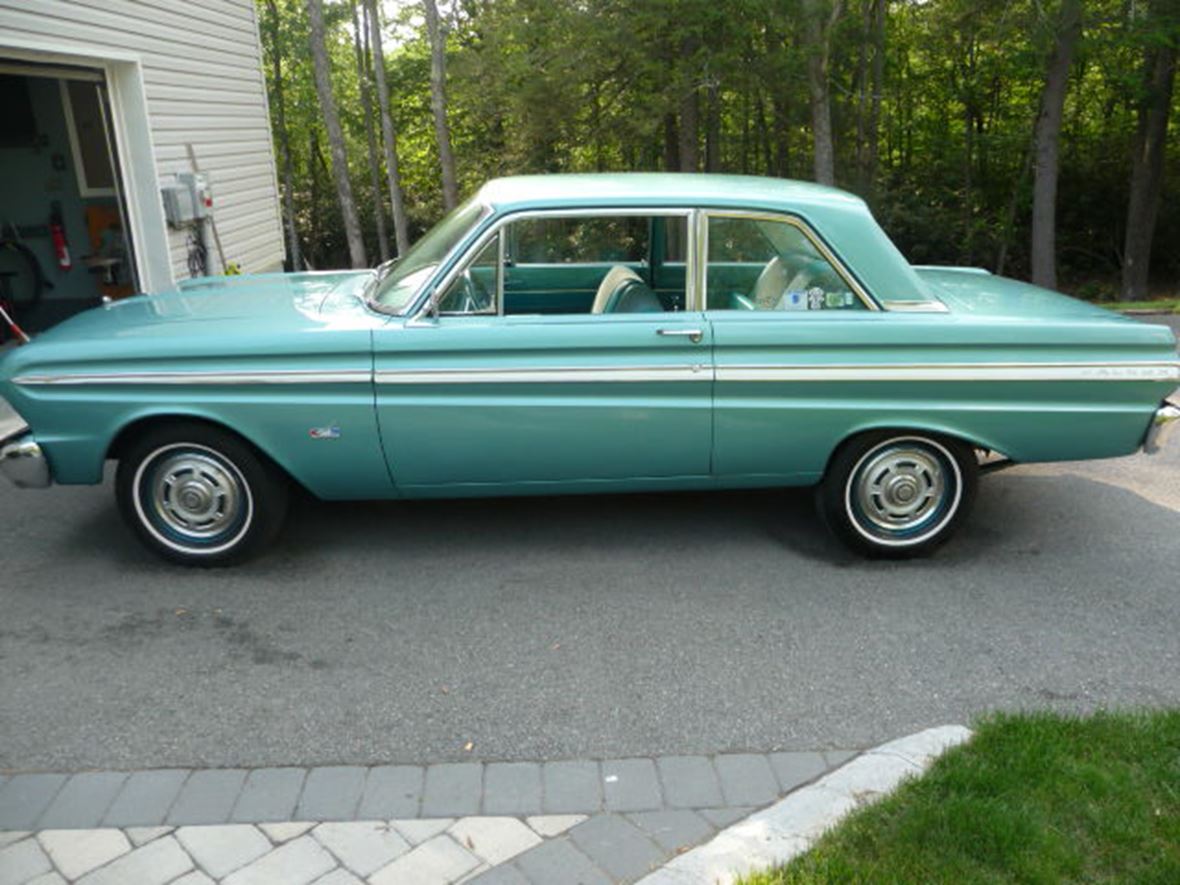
column 64, row 242
column 135, row 152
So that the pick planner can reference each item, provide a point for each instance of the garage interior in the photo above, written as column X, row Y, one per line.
column 64, row 241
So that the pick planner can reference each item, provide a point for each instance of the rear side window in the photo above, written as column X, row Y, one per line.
column 764, row 264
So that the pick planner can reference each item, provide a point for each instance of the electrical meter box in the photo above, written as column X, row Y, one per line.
column 187, row 199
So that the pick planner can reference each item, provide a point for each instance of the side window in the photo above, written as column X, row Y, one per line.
column 474, row 290
column 763, row 264
column 622, row 239
column 588, row 264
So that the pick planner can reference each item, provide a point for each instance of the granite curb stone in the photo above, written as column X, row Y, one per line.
column 146, row 798
column 331, row 793
column 207, row 797
column 83, row 800
column 269, row 794
column 789, row 827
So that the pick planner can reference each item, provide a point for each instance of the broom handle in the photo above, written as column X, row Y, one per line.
column 16, row 330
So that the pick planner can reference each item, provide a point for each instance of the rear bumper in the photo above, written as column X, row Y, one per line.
column 1163, row 425
column 24, row 464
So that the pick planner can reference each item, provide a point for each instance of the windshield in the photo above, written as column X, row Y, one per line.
column 408, row 275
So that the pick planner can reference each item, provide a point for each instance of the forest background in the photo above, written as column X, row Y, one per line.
column 1035, row 138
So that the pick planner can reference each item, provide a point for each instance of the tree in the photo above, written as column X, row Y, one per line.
column 1147, row 161
column 869, row 74
column 1047, row 134
column 438, row 103
column 323, row 84
column 362, row 74
column 934, row 113
column 283, row 137
column 821, row 19
column 388, row 137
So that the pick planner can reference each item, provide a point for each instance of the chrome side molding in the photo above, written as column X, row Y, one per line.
column 23, row 462
column 1165, row 420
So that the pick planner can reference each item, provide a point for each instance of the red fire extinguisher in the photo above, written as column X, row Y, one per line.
column 57, row 233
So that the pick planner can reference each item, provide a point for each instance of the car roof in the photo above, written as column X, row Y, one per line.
column 840, row 218
column 662, row 188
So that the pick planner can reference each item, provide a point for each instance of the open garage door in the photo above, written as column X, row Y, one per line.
column 64, row 238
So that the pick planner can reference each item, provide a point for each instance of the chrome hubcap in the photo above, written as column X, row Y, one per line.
column 899, row 488
column 195, row 495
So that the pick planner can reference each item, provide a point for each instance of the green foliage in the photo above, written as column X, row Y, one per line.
column 1032, row 798
column 585, row 85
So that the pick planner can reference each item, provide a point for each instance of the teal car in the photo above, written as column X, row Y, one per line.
column 587, row 333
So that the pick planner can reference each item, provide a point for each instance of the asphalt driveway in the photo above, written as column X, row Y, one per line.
column 578, row 627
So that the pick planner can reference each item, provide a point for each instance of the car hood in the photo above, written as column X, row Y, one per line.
column 976, row 292
column 272, row 303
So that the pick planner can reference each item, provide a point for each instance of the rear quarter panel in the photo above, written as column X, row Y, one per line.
column 791, row 387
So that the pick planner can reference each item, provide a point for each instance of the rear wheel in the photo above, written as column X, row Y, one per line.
column 898, row 494
column 200, row 496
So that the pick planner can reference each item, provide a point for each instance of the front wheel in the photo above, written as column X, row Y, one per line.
column 199, row 496
column 897, row 494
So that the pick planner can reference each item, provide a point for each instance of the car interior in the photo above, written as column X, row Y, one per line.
column 636, row 264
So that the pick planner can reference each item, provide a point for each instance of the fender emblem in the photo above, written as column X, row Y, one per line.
column 332, row 431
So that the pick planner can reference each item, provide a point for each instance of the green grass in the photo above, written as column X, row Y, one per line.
column 1162, row 305
column 1037, row 798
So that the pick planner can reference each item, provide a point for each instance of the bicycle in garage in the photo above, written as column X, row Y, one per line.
column 22, row 283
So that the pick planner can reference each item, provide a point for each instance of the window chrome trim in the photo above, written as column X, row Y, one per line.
column 912, row 306
column 499, row 273
column 697, row 255
column 426, row 305
column 804, row 228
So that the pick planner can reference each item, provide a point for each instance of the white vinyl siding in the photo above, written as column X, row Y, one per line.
column 203, row 83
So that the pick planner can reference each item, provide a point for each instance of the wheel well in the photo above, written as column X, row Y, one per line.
column 938, row 434
column 140, row 426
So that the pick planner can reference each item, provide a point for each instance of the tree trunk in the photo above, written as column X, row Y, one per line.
column 388, row 136
column 862, row 94
column 779, row 107
column 323, row 87
column 819, row 34
column 1147, row 169
column 876, row 76
column 438, row 103
column 671, row 144
column 1009, row 221
column 362, row 74
column 1047, row 135
column 689, row 126
column 293, row 251
column 712, row 130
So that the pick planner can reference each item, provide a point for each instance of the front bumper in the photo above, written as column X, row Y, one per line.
column 23, row 462
column 1163, row 423
column 21, row 459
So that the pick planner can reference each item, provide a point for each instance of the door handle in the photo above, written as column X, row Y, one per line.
column 693, row 335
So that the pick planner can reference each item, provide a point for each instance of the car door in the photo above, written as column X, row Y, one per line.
column 785, row 316
column 477, row 398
